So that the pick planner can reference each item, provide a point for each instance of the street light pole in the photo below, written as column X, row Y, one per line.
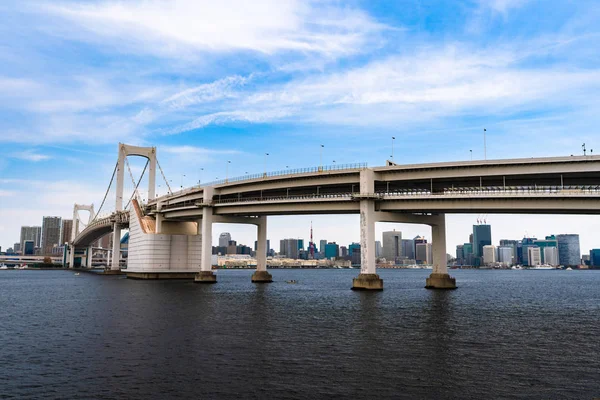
column 393, row 139
column 266, row 154
column 182, row 176
column 227, row 170
column 484, row 146
column 200, row 180
column 321, row 158
column 471, row 151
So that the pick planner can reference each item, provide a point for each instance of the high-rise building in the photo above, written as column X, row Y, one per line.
column 550, row 256
column 31, row 233
column 506, row 255
column 289, row 248
column 568, row 249
column 232, row 247
column 300, row 244
column 595, row 258
column 50, row 234
column 28, row 248
column 224, row 239
column 17, row 247
column 343, row 251
column 514, row 245
column 322, row 244
column 534, row 256
column 392, row 245
column 482, row 236
column 424, row 253
column 489, row 254
column 408, row 249
column 66, row 231
column 332, row 250
column 378, row 249
column 354, row 253
column 460, row 254
column 550, row 241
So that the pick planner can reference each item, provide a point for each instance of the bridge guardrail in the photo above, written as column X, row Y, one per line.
column 296, row 171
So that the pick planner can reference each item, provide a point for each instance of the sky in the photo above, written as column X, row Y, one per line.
column 210, row 82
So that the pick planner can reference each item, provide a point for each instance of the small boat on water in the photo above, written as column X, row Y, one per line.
column 569, row 269
column 76, row 273
column 516, row 267
column 292, row 281
column 2, row 266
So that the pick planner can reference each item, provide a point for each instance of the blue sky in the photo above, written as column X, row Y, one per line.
column 206, row 83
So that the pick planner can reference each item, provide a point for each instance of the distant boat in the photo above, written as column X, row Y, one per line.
column 76, row 273
column 292, row 281
column 569, row 269
column 545, row 266
column 516, row 267
column 2, row 266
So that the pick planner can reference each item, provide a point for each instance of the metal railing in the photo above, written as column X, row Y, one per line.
column 337, row 196
column 296, row 171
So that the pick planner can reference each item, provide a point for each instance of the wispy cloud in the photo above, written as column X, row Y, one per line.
column 194, row 150
column 30, row 155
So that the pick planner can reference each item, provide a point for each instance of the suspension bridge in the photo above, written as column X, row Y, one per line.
column 170, row 236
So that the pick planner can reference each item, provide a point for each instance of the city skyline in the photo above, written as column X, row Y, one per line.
column 382, row 82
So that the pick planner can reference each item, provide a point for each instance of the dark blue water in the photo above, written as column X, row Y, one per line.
column 502, row 334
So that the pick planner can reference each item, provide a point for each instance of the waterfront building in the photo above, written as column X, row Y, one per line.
column 17, row 247
column 482, row 236
column 506, row 255
column 50, row 233
column 331, row 250
column 300, row 244
column 568, row 249
column 534, row 256
column 595, row 257
column 408, row 249
column 31, row 233
column 460, row 254
column 511, row 243
column 489, row 254
column 550, row 256
column 289, row 248
column 232, row 247
column 424, row 253
column 526, row 243
column 343, row 251
column 392, row 245
column 28, row 248
column 549, row 241
column 354, row 250
column 378, row 249
column 224, row 239
column 66, row 231
column 322, row 244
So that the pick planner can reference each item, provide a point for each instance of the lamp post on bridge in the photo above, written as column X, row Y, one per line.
column 265, row 166
column 321, row 158
column 200, row 180
column 182, row 176
column 471, row 151
column 227, row 170
column 393, row 140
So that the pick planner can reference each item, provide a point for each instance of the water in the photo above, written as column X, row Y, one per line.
column 501, row 334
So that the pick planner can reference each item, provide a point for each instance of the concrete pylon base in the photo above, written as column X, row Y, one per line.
column 367, row 282
column 440, row 281
column 205, row 277
column 113, row 272
column 262, row 277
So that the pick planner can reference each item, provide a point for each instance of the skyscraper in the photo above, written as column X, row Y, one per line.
column 568, row 249
column 224, row 239
column 489, row 254
column 322, row 244
column 289, row 248
column 50, row 233
column 378, row 249
column 392, row 245
column 66, row 231
column 408, row 249
column 33, row 233
column 424, row 253
column 482, row 236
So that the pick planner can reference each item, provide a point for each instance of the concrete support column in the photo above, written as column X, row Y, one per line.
column 206, row 275
column 261, row 275
column 152, row 174
column 159, row 221
column 368, row 278
column 116, row 248
column 71, row 256
column 439, row 278
column 88, row 257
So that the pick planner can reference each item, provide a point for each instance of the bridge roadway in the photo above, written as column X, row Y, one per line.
column 420, row 193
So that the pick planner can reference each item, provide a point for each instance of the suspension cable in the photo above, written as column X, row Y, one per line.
column 106, row 194
column 138, row 184
column 135, row 192
column 163, row 175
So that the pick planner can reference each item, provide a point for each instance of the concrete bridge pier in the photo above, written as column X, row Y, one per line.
column 261, row 275
column 439, row 278
column 206, row 275
column 88, row 257
column 116, row 250
column 368, row 278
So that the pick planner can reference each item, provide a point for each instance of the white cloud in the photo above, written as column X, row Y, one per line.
column 193, row 150
column 267, row 26
column 502, row 6
column 30, row 155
